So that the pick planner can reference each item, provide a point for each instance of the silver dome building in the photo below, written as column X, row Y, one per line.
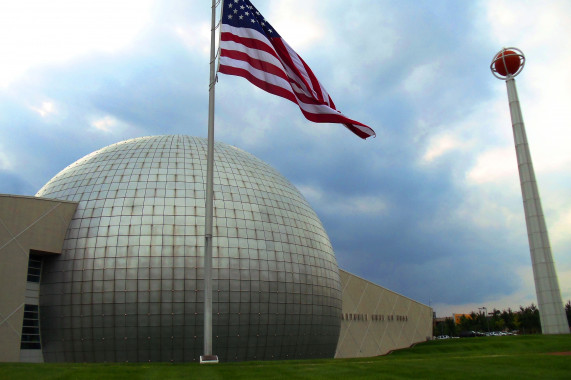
column 128, row 284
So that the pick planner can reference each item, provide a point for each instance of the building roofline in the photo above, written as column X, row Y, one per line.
column 37, row 198
column 388, row 290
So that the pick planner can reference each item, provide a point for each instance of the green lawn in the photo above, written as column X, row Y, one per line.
column 517, row 357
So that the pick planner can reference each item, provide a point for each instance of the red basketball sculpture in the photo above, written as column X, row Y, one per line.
column 507, row 63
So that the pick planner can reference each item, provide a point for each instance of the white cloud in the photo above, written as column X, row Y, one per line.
column 104, row 124
column 5, row 162
column 487, row 207
column 247, row 126
column 442, row 144
column 45, row 109
column 532, row 21
column 421, row 78
column 108, row 124
column 487, row 125
column 300, row 29
column 559, row 231
column 195, row 36
column 495, row 165
column 35, row 32
column 564, row 275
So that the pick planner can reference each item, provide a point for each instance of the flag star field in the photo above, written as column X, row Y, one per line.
column 243, row 14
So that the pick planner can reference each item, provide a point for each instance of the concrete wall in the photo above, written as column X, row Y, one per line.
column 25, row 223
column 375, row 320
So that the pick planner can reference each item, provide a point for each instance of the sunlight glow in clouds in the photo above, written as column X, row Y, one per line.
column 441, row 145
column 36, row 32
column 45, row 109
column 487, row 208
column 495, row 165
column 104, row 124
column 5, row 163
column 109, row 125
column 299, row 29
column 560, row 230
column 195, row 36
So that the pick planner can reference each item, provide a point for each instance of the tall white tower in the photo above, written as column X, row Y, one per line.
column 505, row 66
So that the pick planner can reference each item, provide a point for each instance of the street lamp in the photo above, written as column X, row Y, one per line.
column 486, row 317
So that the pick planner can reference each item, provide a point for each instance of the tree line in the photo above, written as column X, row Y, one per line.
column 526, row 320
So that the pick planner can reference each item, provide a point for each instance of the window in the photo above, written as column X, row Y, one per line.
column 31, row 328
column 34, row 268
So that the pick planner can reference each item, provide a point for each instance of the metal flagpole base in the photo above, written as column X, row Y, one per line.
column 208, row 359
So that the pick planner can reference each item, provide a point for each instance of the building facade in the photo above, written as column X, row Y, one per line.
column 375, row 320
column 124, row 281
column 31, row 229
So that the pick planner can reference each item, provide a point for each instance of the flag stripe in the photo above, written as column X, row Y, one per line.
column 294, row 65
column 256, row 42
column 264, row 85
column 248, row 39
column 258, row 64
column 258, row 54
column 305, row 71
column 274, row 80
column 242, row 40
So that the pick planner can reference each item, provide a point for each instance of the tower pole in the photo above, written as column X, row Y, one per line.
column 207, row 357
column 550, row 304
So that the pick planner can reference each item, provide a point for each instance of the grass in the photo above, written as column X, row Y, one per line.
column 521, row 357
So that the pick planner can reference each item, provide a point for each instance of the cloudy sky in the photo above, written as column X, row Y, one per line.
column 431, row 208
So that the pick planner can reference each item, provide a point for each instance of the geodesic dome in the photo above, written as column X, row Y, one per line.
column 128, row 285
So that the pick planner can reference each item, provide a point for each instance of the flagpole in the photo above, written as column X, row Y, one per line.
column 207, row 357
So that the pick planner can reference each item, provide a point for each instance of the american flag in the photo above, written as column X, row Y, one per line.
column 251, row 48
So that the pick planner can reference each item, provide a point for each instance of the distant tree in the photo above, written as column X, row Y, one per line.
column 482, row 322
column 479, row 321
column 526, row 320
column 568, row 312
column 467, row 323
column 496, row 322
column 529, row 320
column 509, row 319
column 446, row 327
column 450, row 327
